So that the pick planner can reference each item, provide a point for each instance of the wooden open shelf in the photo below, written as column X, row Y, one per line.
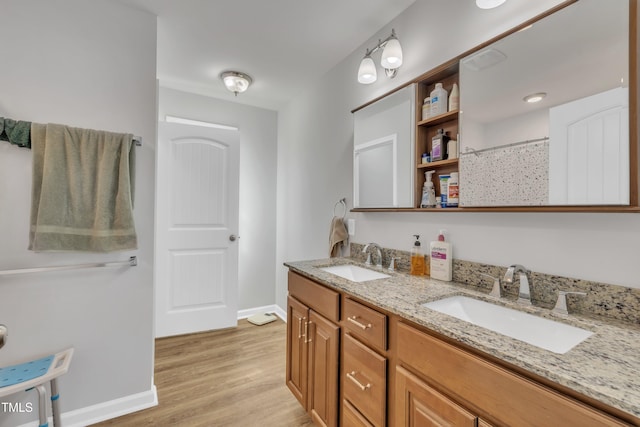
column 438, row 164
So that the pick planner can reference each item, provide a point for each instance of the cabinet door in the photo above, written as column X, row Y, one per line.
column 297, row 354
column 419, row 405
column 323, row 346
column 383, row 151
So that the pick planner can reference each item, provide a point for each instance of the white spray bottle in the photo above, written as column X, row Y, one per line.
column 428, row 191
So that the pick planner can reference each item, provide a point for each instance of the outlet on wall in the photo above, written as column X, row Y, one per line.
column 351, row 226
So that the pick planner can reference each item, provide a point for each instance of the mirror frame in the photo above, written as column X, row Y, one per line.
column 634, row 128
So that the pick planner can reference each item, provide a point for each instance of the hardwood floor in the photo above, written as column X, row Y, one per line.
column 233, row 377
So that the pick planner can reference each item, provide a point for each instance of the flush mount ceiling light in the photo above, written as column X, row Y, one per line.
column 391, row 60
column 489, row 4
column 236, row 81
column 534, row 97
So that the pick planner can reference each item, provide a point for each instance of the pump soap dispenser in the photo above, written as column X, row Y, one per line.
column 441, row 255
column 417, row 258
column 428, row 191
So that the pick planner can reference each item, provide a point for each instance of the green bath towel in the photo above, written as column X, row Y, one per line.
column 16, row 132
column 82, row 192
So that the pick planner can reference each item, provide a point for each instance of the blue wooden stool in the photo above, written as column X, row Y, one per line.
column 35, row 374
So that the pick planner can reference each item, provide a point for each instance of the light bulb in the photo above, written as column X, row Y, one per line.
column 367, row 73
column 392, row 54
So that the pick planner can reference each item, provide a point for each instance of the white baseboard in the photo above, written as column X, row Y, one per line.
column 108, row 410
column 136, row 402
column 243, row 314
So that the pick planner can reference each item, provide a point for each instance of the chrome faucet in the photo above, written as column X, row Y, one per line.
column 378, row 249
column 524, row 295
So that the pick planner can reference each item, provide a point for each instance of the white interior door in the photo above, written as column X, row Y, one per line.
column 197, row 211
column 589, row 150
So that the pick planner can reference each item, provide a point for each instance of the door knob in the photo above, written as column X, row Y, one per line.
column 233, row 237
column 3, row 335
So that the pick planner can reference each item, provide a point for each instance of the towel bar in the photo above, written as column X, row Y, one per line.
column 132, row 262
column 342, row 202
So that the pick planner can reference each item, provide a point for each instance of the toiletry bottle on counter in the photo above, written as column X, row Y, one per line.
column 417, row 258
column 439, row 99
column 428, row 191
column 441, row 255
column 453, row 190
column 454, row 98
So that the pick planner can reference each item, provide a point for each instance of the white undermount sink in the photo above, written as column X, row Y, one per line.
column 544, row 333
column 354, row 273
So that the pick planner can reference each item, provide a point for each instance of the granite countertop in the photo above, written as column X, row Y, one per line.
column 606, row 366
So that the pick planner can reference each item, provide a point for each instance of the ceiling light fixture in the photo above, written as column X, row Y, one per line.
column 489, row 4
column 534, row 97
column 391, row 60
column 236, row 81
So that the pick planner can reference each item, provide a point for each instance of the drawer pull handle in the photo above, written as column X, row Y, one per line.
column 352, row 377
column 358, row 324
column 299, row 327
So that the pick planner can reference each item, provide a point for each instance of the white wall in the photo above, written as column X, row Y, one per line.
column 258, row 147
column 314, row 158
column 90, row 65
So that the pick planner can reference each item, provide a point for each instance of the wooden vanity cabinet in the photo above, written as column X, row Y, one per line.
column 464, row 380
column 313, row 345
column 362, row 367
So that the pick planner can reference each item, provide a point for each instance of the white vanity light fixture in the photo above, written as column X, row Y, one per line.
column 534, row 97
column 391, row 60
column 489, row 4
column 236, row 81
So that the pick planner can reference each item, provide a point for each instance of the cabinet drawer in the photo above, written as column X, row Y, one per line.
column 366, row 324
column 323, row 300
column 509, row 398
column 351, row 417
column 365, row 380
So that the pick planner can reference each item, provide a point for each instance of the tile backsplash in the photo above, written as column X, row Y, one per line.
column 521, row 180
column 610, row 301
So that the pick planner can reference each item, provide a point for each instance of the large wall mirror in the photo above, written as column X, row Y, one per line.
column 572, row 146
column 383, row 134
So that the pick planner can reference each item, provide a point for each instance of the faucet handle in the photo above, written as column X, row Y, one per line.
column 495, row 290
column 368, row 261
column 561, row 303
column 392, row 264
